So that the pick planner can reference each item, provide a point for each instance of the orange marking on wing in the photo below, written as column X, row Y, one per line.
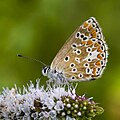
column 93, row 33
column 83, row 42
column 99, row 50
column 94, row 71
column 87, row 75
column 89, row 42
column 96, row 45
column 94, row 76
column 85, row 24
column 93, row 49
column 99, row 56
column 98, row 63
column 90, row 27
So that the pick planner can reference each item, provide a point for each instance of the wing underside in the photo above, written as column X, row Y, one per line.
column 84, row 55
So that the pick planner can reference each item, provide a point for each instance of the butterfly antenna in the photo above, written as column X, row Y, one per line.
column 29, row 58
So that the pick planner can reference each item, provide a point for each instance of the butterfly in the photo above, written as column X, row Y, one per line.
column 83, row 57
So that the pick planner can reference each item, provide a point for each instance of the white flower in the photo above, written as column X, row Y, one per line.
column 36, row 102
column 58, row 92
column 59, row 106
column 52, row 114
column 49, row 102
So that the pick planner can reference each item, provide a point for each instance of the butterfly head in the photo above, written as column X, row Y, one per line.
column 45, row 70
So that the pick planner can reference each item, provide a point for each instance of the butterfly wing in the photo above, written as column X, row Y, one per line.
column 84, row 55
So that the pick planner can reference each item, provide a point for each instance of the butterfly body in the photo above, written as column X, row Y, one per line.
column 83, row 57
column 54, row 75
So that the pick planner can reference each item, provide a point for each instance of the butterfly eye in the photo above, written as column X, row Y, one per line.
column 45, row 70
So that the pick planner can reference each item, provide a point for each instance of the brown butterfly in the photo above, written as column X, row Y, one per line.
column 83, row 57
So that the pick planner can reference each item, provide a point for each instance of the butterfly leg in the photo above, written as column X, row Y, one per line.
column 50, row 81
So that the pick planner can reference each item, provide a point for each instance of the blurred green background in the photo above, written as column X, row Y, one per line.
column 38, row 28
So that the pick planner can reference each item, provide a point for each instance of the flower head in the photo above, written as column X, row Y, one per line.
column 55, row 102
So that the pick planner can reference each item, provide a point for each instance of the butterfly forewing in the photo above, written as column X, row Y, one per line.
column 84, row 55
